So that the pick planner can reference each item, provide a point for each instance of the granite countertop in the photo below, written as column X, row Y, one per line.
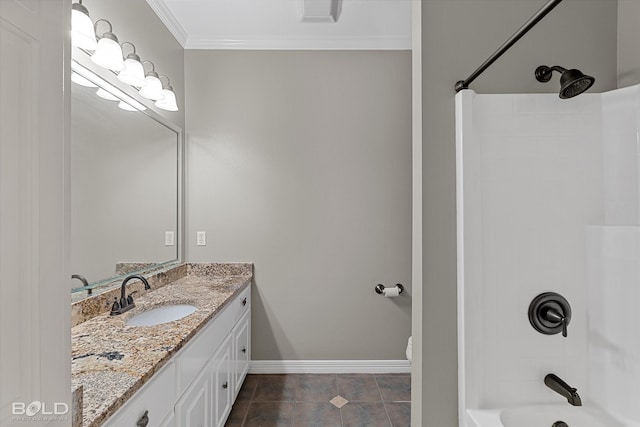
column 112, row 360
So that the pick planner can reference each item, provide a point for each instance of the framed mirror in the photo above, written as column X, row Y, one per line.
column 125, row 184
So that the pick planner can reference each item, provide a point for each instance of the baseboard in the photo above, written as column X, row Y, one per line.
column 329, row 367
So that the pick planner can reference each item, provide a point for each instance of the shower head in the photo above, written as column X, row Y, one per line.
column 572, row 82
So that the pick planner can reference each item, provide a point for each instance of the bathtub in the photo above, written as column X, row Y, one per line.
column 542, row 416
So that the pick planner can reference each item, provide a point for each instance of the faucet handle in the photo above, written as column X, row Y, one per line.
column 556, row 315
column 130, row 298
column 115, row 307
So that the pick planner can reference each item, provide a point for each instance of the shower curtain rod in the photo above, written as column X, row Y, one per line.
column 464, row 84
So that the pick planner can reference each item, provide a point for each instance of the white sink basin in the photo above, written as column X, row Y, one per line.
column 162, row 314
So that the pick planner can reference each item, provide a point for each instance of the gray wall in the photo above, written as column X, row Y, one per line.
column 457, row 36
column 628, row 42
column 136, row 22
column 301, row 163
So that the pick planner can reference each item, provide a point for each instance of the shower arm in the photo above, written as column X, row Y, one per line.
column 464, row 84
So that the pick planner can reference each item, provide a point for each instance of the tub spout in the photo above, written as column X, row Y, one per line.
column 563, row 389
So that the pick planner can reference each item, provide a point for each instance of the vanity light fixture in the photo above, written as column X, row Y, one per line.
column 153, row 88
column 133, row 73
column 82, row 31
column 108, row 53
column 168, row 102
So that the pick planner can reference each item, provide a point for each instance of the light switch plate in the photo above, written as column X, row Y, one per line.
column 169, row 238
column 201, row 238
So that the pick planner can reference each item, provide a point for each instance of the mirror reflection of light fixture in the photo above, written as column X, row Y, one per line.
column 133, row 73
column 168, row 102
column 86, row 76
column 131, row 105
column 153, row 88
column 82, row 81
column 82, row 32
column 104, row 94
column 108, row 53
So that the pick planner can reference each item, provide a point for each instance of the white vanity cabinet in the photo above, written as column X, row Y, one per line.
column 198, row 386
column 156, row 398
column 194, row 407
column 222, row 383
column 241, row 351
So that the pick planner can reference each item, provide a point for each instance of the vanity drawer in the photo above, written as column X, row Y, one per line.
column 192, row 359
column 241, row 304
column 157, row 397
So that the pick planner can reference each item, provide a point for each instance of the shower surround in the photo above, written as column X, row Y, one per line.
column 547, row 193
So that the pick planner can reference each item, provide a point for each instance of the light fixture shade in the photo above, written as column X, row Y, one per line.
column 133, row 73
column 106, row 95
column 153, row 88
column 82, row 31
column 168, row 102
column 82, row 81
column 108, row 54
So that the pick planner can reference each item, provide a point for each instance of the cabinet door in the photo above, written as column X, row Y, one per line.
column 241, row 351
column 194, row 407
column 169, row 421
column 156, row 398
column 222, row 382
column 192, row 359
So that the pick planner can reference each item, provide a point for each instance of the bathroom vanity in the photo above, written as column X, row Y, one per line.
column 181, row 373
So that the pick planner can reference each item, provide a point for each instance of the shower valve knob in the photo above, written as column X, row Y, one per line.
column 550, row 314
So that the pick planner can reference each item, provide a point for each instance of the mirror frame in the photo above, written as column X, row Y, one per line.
column 82, row 58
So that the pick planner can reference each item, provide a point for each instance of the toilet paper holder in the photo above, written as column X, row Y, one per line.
column 380, row 288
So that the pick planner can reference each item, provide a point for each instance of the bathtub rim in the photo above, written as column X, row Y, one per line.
column 490, row 417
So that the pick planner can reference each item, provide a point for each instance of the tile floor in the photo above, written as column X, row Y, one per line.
column 323, row 400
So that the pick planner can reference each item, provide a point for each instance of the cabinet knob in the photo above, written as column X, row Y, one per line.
column 225, row 384
column 144, row 420
column 244, row 349
column 244, row 301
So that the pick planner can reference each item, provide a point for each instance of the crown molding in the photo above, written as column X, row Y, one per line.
column 353, row 43
column 167, row 18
